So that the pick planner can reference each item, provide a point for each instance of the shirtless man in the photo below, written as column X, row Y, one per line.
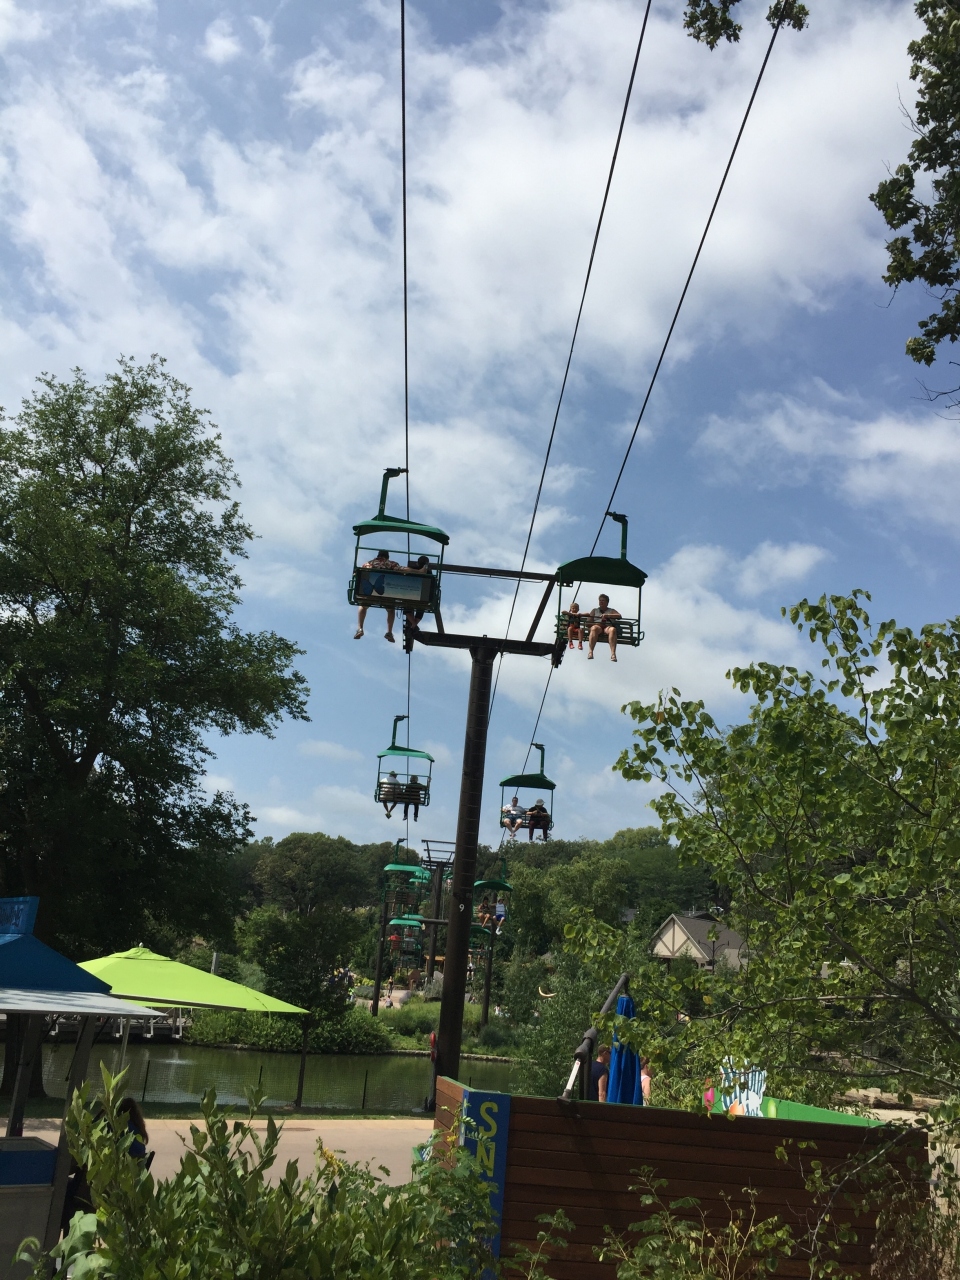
column 602, row 624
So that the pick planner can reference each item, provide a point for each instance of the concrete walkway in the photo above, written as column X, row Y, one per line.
column 386, row 1142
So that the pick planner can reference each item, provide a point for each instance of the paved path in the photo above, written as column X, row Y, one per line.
column 388, row 1142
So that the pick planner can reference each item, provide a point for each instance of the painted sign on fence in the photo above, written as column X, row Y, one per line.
column 484, row 1128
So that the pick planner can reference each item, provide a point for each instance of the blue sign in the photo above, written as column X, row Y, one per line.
column 484, row 1131
column 17, row 916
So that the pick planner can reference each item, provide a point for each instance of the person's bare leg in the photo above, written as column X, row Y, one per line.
column 361, row 615
column 390, row 617
column 612, row 637
column 595, row 633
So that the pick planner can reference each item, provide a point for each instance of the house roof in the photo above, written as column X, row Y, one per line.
column 695, row 933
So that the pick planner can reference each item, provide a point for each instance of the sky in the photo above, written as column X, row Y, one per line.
column 221, row 184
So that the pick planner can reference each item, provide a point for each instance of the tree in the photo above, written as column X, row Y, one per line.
column 930, row 252
column 119, row 657
column 833, row 816
column 306, row 872
column 711, row 21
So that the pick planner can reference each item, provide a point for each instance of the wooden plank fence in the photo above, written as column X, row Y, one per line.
column 585, row 1157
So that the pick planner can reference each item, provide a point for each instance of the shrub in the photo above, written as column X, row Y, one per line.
column 220, row 1217
column 355, row 1032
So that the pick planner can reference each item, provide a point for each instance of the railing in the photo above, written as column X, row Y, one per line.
column 588, row 1047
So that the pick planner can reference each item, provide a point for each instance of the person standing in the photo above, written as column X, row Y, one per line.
column 645, row 1080
column 599, row 1075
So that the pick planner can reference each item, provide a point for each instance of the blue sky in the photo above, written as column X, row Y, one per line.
column 220, row 184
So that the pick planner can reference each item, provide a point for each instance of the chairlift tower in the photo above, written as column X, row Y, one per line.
column 415, row 590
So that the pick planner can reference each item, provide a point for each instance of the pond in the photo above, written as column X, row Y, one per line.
column 180, row 1074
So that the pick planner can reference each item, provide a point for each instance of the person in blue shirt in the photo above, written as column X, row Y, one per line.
column 599, row 1075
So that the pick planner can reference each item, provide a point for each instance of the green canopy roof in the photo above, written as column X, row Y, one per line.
column 140, row 974
column 393, row 524
column 410, row 869
column 536, row 781
column 499, row 885
column 608, row 570
column 408, row 752
column 408, row 922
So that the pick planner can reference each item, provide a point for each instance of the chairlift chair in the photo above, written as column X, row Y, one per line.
column 409, row 589
column 518, row 782
column 607, row 571
column 397, row 784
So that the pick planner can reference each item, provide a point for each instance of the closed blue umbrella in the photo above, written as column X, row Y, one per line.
column 624, row 1084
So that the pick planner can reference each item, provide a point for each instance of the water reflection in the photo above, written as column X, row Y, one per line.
column 180, row 1074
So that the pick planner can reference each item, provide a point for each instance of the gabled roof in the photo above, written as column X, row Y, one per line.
column 701, row 933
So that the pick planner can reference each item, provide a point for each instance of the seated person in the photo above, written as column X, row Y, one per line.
column 390, row 792
column 383, row 564
column 602, row 623
column 574, row 624
column 514, row 816
column 484, row 915
column 420, row 565
column 538, row 819
column 413, row 794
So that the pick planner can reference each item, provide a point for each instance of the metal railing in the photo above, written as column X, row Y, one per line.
column 580, row 1072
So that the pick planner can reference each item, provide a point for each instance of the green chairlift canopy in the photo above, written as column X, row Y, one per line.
column 141, row 974
column 609, row 570
column 393, row 524
column 499, row 886
column 405, row 752
column 407, row 922
column 411, row 869
column 400, row 785
column 536, row 781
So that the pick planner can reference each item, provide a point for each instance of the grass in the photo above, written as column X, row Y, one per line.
column 410, row 1025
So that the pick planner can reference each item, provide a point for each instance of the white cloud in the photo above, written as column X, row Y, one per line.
column 908, row 464
column 770, row 566
column 19, row 25
column 220, row 45
column 328, row 750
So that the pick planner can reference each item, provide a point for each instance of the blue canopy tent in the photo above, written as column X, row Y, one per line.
column 624, row 1083
column 37, row 983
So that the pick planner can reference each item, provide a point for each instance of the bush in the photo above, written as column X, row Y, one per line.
column 221, row 1217
column 355, row 1032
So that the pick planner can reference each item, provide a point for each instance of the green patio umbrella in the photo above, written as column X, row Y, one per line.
column 140, row 974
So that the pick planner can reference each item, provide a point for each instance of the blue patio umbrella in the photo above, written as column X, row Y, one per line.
column 624, row 1084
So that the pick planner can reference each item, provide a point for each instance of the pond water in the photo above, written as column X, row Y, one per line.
column 180, row 1074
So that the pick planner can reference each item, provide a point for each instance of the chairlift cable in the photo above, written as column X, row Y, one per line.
column 673, row 323
column 576, row 330
column 406, row 311
column 686, row 286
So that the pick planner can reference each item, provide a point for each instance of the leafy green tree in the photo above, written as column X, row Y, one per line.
column 304, row 958
column 711, row 21
column 930, row 251
column 306, row 872
column 118, row 541
column 833, row 816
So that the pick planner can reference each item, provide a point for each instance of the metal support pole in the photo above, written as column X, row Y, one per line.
column 61, row 1173
column 378, row 972
column 488, row 977
column 457, row 948
column 35, row 1024
column 435, row 912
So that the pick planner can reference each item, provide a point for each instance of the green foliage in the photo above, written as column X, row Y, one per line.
column 220, row 1216
column 119, row 660
column 930, row 251
column 354, row 1032
column 711, row 21
column 306, row 872
column 303, row 957
column 678, row 1243
column 833, row 816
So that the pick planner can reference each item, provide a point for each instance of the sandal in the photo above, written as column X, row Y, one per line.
column 590, row 655
column 613, row 657
column 389, row 636
column 359, row 635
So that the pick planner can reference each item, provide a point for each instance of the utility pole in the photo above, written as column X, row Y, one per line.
column 483, row 650
column 450, row 1032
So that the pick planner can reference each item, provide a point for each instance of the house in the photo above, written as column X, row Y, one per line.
column 700, row 937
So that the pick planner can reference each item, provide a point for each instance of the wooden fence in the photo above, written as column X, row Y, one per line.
column 585, row 1157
